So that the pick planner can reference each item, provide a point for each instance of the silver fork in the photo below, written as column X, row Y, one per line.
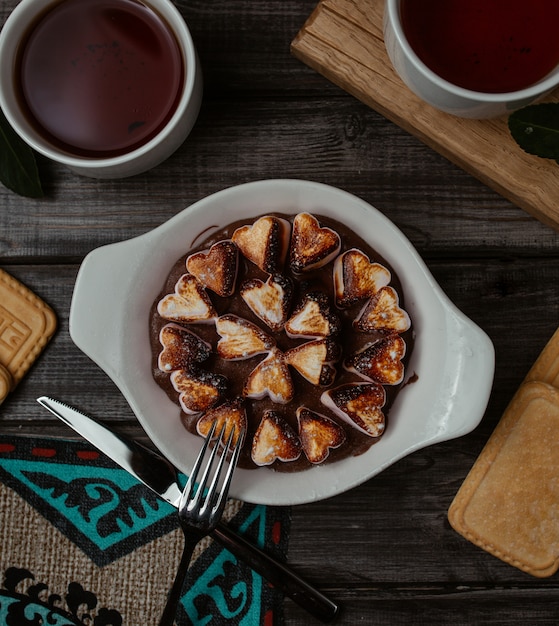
column 200, row 511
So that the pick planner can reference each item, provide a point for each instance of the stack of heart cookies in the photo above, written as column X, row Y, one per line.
column 509, row 503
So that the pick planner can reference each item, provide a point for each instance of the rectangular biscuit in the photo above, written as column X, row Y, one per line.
column 509, row 503
column 546, row 367
column 26, row 325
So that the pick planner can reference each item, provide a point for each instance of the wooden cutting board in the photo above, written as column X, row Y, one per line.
column 343, row 41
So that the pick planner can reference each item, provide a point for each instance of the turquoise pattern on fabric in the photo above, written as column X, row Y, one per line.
column 106, row 510
column 32, row 612
column 231, row 597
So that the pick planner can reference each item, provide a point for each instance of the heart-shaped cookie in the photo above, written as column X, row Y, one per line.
column 181, row 348
column 314, row 360
column 270, row 378
column 356, row 278
column 383, row 312
column 380, row 361
column 265, row 242
column 312, row 246
column 217, row 267
column 190, row 303
column 240, row 339
column 313, row 317
column 270, row 301
column 228, row 414
column 319, row 434
column 274, row 440
column 198, row 390
column 358, row 404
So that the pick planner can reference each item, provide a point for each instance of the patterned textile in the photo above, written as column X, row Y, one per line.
column 84, row 543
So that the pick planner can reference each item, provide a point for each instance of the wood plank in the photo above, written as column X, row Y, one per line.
column 459, row 605
column 338, row 141
column 342, row 39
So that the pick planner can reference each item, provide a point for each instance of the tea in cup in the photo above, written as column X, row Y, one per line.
column 108, row 87
column 474, row 58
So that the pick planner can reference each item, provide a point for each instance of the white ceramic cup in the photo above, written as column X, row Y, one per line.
column 138, row 160
column 442, row 94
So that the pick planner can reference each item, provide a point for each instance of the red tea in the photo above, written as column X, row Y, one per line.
column 100, row 77
column 493, row 46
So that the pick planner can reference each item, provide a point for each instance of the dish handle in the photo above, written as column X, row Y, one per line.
column 468, row 373
column 99, row 319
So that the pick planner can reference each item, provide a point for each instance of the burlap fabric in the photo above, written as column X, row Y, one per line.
column 83, row 543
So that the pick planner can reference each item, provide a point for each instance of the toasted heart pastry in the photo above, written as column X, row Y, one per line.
column 270, row 301
column 232, row 413
column 181, row 348
column 217, row 267
column 315, row 360
column 356, row 278
column 312, row 246
column 240, row 339
column 274, row 440
column 319, row 434
column 198, row 390
column 359, row 405
column 308, row 327
column 383, row 312
column 265, row 242
column 380, row 361
column 270, row 378
column 313, row 317
column 190, row 303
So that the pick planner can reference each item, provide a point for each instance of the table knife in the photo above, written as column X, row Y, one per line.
column 157, row 473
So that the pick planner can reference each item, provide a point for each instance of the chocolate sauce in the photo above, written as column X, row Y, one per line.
column 236, row 372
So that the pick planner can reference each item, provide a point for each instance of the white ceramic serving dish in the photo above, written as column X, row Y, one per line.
column 452, row 357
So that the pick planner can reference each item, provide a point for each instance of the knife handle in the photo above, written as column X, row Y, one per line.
column 280, row 576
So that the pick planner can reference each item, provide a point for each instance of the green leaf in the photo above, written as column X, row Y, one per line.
column 18, row 168
column 535, row 129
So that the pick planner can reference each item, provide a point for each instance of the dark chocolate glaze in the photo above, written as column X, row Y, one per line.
column 236, row 372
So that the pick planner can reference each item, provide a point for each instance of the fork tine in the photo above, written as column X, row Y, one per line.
column 215, row 498
column 189, row 488
column 202, row 484
column 213, row 488
column 222, row 496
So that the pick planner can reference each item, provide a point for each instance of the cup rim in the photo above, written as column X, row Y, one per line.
column 182, row 33
column 543, row 86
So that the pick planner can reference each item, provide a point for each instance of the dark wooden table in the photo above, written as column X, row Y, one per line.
column 384, row 550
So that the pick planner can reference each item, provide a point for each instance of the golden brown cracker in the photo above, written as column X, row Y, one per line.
column 546, row 367
column 509, row 503
column 5, row 383
column 26, row 325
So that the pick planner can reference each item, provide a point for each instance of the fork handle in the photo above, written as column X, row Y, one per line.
column 280, row 576
column 170, row 611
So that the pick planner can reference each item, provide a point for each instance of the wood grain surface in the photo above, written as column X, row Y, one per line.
column 384, row 550
column 343, row 40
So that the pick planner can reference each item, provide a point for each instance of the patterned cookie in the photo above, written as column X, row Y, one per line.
column 26, row 326
column 5, row 383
